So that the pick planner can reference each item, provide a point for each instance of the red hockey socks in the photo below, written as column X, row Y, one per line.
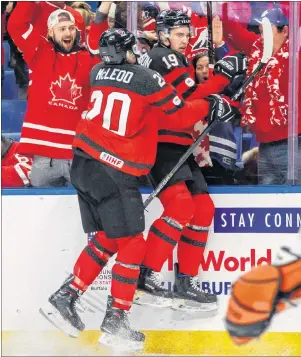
column 194, row 237
column 166, row 231
column 92, row 260
column 125, row 272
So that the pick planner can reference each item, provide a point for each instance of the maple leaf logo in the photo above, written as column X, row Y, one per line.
column 65, row 89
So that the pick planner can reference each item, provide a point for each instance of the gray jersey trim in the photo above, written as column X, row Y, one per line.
column 193, row 242
column 163, row 236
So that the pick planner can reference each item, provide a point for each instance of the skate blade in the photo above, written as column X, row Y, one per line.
column 144, row 299
column 191, row 306
column 119, row 345
column 54, row 317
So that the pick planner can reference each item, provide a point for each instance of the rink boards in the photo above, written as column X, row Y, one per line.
column 42, row 237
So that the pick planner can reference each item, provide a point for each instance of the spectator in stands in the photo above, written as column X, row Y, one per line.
column 147, row 22
column 59, row 92
column 266, row 99
column 201, row 66
column 42, row 12
column 218, row 164
column 15, row 168
column 257, row 8
column 85, row 10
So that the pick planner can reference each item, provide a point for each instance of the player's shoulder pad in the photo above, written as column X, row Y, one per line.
column 163, row 60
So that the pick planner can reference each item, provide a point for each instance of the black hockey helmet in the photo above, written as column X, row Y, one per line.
column 114, row 44
column 170, row 19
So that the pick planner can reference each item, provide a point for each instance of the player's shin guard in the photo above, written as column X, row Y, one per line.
column 92, row 260
column 194, row 237
column 187, row 290
column 165, row 232
column 163, row 236
column 125, row 272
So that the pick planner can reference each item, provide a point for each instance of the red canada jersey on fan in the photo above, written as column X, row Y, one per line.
column 120, row 127
column 58, row 89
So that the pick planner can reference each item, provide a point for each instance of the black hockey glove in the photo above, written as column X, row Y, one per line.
column 231, row 66
column 220, row 108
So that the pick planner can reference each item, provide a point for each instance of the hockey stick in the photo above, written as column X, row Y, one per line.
column 267, row 53
column 210, row 34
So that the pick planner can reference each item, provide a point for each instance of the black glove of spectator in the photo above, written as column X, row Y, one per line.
column 220, row 108
column 231, row 66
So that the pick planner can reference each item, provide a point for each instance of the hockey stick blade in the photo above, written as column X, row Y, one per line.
column 267, row 54
column 267, row 40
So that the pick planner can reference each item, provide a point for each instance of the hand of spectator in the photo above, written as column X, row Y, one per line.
column 163, row 5
column 220, row 108
column 81, row 4
column 9, row 7
column 250, row 155
column 105, row 7
column 217, row 31
column 231, row 66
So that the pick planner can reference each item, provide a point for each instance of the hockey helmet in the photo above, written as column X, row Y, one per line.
column 114, row 44
column 170, row 19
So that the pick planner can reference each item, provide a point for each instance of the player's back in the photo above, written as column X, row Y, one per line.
column 117, row 129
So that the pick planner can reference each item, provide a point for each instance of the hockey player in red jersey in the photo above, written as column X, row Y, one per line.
column 115, row 142
column 15, row 168
column 188, row 208
column 58, row 91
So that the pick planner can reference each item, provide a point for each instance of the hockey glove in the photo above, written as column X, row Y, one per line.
column 220, row 108
column 231, row 66
column 258, row 295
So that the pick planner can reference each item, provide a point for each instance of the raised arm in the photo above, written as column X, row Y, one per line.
column 241, row 38
column 98, row 27
column 22, row 31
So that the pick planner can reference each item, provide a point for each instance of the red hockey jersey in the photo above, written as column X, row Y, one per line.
column 58, row 90
column 127, row 103
column 176, row 70
column 15, row 168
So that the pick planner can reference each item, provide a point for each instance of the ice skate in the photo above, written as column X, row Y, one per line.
column 189, row 297
column 150, row 290
column 61, row 310
column 118, row 334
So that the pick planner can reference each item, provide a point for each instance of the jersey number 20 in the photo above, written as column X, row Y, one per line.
column 97, row 97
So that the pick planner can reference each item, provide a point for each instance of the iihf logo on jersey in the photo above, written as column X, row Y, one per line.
column 65, row 90
column 91, row 235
